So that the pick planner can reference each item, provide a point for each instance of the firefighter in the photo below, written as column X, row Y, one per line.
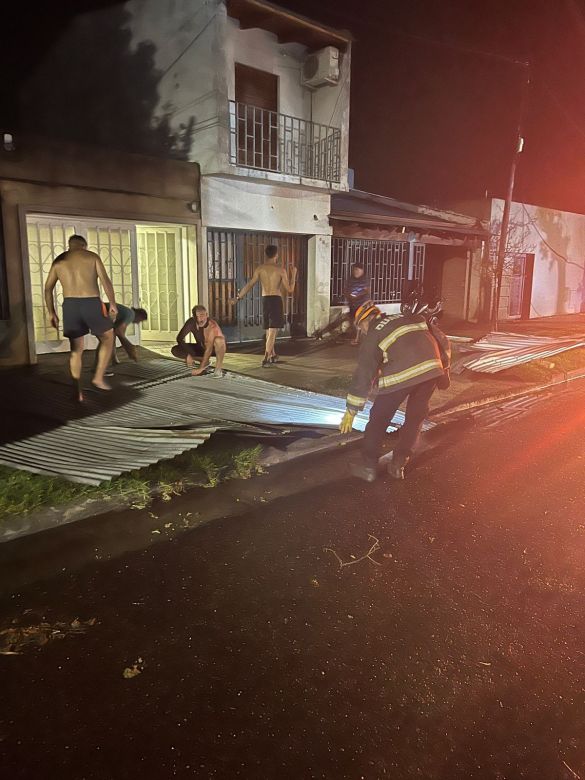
column 408, row 356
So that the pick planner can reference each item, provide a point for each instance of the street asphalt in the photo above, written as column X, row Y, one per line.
column 431, row 629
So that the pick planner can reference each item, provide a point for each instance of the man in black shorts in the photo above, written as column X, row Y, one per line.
column 209, row 342
column 275, row 282
column 83, row 311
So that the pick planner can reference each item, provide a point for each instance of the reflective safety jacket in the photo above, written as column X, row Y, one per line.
column 399, row 352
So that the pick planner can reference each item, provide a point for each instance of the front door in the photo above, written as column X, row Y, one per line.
column 232, row 258
column 256, row 118
column 520, row 286
column 166, row 279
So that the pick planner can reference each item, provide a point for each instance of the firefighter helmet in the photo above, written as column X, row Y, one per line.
column 416, row 304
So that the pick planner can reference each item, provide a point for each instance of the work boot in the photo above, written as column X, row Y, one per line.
column 364, row 470
column 397, row 464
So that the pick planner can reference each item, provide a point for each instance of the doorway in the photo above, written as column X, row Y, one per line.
column 520, row 280
column 232, row 257
column 257, row 118
column 151, row 265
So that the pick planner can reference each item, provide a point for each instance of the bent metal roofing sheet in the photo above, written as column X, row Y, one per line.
column 161, row 419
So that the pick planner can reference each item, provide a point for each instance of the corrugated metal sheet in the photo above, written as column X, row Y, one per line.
column 155, row 419
column 506, row 350
column 93, row 456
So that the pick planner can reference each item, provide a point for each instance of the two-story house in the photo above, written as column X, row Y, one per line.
column 256, row 95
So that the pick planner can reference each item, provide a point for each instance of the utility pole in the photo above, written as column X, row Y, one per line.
column 503, row 240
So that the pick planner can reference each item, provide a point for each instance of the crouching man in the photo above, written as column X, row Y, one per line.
column 408, row 358
column 209, row 342
column 127, row 315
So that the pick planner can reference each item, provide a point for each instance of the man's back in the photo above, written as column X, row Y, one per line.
column 78, row 274
column 271, row 277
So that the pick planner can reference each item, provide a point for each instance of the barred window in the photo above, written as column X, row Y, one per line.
column 386, row 263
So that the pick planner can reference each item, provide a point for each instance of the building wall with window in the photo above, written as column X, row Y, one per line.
column 196, row 48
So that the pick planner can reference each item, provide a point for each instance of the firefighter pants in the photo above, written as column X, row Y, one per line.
column 384, row 409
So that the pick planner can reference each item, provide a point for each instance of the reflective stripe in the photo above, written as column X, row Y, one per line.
column 409, row 373
column 396, row 334
column 355, row 400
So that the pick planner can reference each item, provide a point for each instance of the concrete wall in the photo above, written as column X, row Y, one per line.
column 188, row 39
column 557, row 240
column 249, row 205
column 234, row 204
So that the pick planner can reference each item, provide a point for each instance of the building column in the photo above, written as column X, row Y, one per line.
column 318, row 282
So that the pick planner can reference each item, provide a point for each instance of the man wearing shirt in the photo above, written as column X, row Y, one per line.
column 209, row 341
column 127, row 315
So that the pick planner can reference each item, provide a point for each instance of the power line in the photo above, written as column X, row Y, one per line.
column 187, row 47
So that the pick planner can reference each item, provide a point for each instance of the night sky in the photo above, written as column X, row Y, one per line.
column 431, row 121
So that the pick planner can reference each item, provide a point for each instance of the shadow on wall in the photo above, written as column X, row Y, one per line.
column 94, row 88
column 556, row 254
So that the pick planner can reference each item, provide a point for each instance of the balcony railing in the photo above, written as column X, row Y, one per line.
column 269, row 141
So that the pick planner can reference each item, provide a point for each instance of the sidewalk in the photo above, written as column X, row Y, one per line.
column 328, row 367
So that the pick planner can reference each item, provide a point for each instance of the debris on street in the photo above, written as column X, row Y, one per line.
column 499, row 351
column 375, row 546
column 134, row 670
column 15, row 639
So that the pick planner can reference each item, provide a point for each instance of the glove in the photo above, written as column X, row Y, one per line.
column 347, row 422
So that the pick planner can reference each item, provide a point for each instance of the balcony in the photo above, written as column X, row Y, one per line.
column 268, row 141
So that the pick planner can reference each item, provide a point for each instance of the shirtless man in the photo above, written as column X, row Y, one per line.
column 78, row 271
column 274, row 281
column 209, row 341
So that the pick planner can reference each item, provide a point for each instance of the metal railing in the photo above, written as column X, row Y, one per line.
column 269, row 141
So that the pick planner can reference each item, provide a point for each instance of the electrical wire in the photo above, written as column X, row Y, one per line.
column 187, row 47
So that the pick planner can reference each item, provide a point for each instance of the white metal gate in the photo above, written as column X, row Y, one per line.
column 167, row 279
column 153, row 266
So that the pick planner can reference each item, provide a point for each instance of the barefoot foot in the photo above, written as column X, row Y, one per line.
column 101, row 385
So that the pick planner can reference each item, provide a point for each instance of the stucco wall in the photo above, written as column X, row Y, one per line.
column 248, row 205
column 190, row 54
column 557, row 240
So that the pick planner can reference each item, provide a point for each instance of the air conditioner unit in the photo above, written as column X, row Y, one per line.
column 321, row 68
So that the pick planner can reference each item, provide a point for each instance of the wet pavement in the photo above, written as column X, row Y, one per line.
column 244, row 648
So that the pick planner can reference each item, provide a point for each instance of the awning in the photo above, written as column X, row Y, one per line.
column 375, row 209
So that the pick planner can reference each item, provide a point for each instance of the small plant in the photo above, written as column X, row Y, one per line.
column 245, row 462
column 210, row 468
